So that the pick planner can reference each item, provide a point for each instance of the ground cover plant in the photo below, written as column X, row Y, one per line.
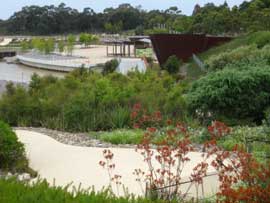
column 122, row 136
column 245, row 49
column 12, row 191
column 246, row 39
column 87, row 101
column 239, row 58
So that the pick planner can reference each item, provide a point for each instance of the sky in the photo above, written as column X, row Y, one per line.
column 8, row 7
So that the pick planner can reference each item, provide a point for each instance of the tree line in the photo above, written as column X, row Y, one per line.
column 210, row 19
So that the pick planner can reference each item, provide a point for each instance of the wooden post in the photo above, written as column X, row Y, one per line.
column 120, row 49
column 135, row 49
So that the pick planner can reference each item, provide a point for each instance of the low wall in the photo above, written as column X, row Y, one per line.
column 63, row 66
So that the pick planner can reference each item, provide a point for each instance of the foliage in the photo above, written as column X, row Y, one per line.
column 240, row 57
column 85, row 101
column 267, row 116
column 71, row 39
column 12, row 155
column 148, row 53
column 25, row 45
column 46, row 46
column 113, row 28
column 12, row 191
column 110, row 66
column 172, row 64
column 49, row 45
column 122, row 137
column 241, row 177
column 88, row 39
column 231, row 93
column 209, row 18
column 261, row 39
column 61, row 46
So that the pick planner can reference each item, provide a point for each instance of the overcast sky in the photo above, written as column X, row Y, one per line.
column 8, row 7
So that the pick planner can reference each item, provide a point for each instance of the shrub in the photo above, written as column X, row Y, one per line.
column 172, row 64
column 110, row 66
column 122, row 137
column 260, row 38
column 267, row 117
column 84, row 100
column 11, row 150
column 239, row 58
column 232, row 94
column 12, row 191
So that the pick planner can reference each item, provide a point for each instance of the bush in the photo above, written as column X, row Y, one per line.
column 110, row 66
column 172, row 64
column 12, row 191
column 87, row 101
column 260, row 38
column 232, row 93
column 122, row 137
column 11, row 150
column 267, row 116
column 240, row 57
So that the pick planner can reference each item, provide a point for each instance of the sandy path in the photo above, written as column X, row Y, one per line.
column 66, row 164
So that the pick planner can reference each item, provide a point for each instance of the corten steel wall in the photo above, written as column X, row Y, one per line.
column 183, row 45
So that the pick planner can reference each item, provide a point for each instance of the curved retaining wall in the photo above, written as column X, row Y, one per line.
column 63, row 66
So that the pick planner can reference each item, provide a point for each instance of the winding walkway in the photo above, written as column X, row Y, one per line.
column 63, row 164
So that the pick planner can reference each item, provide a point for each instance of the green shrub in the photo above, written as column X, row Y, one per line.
column 110, row 66
column 172, row 64
column 11, row 150
column 267, row 116
column 254, row 139
column 87, row 101
column 260, row 38
column 232, row 93
column 12, row 191
column 240, row 57
column 122, row 137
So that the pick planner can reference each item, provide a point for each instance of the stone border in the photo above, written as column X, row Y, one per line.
column 74, row 139
column 85, row 139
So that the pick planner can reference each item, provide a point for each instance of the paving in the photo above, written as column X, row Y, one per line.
column 63, row 164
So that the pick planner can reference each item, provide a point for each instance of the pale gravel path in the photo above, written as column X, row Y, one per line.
column 66, row 164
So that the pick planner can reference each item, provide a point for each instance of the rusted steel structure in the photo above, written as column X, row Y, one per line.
column 183, row 45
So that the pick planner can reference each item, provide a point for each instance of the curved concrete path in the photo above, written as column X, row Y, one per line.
column 64, row 164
